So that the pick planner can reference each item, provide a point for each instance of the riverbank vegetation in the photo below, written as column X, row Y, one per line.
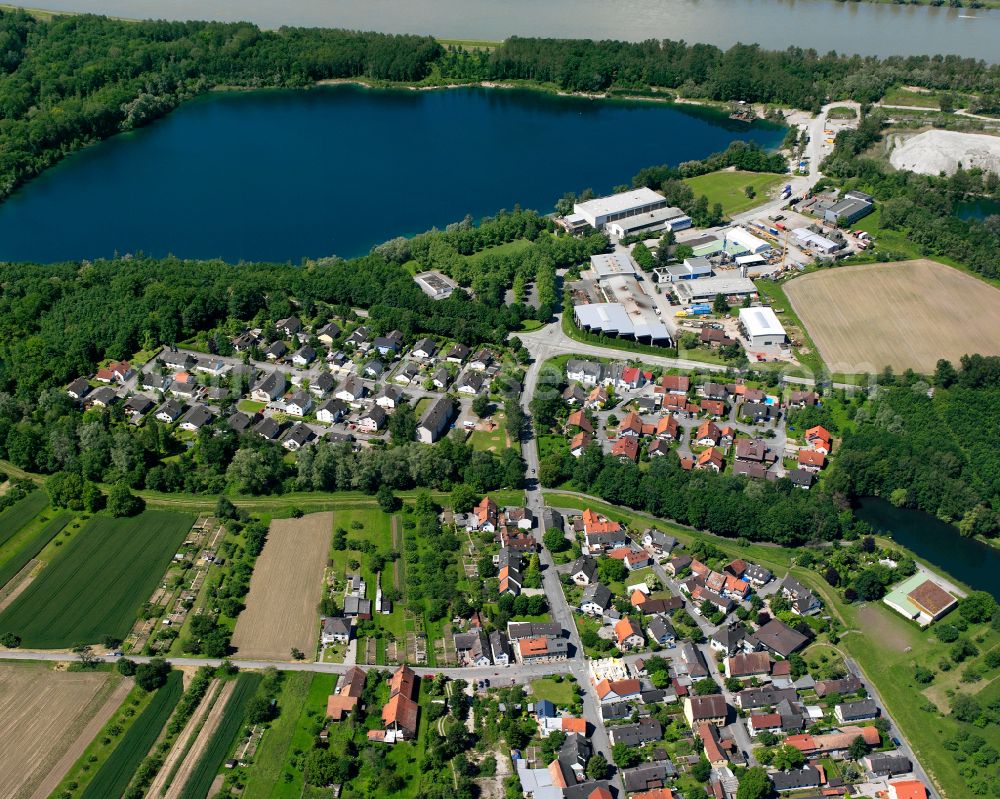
column 67, row 81
column 930, row 448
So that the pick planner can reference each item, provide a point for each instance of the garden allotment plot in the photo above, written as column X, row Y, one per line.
column 98, row 583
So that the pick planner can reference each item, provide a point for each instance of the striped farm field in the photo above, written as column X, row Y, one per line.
column 21, row 513
column 19, row 559
column 114, row 775
column 98, row 583
column 223, row 738
column 906, row 315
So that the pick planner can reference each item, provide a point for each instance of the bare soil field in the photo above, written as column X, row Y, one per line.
column 905, row 315
column 285, row 590
column 44, row 712
column 209, row 726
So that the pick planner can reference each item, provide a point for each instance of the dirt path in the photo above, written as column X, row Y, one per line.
column 204, row 736
column 87, row 734
column 18, row 584
column 181, row 743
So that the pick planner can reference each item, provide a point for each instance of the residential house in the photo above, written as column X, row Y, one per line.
column 276, row 351
column 757, row 575
column 500, row 648
column 800, row 478
column 661, row 630
column 485, row 517
column 588, row 373
column 845, row 686
column 115, row 372
column 373, row 369
column 350, row 688
column 328, row 333
column 170, row 411
column 457, row 354
column 728, row 638
column 177, row 360
column 579, row 443
column 399, row 715
column 764, row 722
column 388, row 397
column 596, row 599
column 154, row 382
column 803, row 601
column 297, row 436
column 707, row 435
column 470, row 383
column 714, row 409
column 304, row 356
column 322, row 384
column 441, row 379
column 675, row 384
column 758, row 412
column 332, row 411
column 779, row 638
column 713, row 391
column 646, row 731
column 269, row 388
column 584, row 570
column 78, row 389
column 744, row 665
column 711, row 709
column 801, row 399
column 138, row 406
column 481, row 361
column 336, row 630
column 805, row 777
column 647, row 777
column 819, row 439
column 657, row 542
column 388, row 344
column 424, row 349
column 184, row 385
column 810, row 460
column 762, row 697
column 579, row 421
column 609, row 691
column 299, row 403
column 435, row 420
column 628, row 635
column 862, row 710
column 712, row 459
column 196, row 418
column 626, row 448
column 888, row 765
column 657, row 448
column 289, row 327
column 372, row 420
column 574, row 395
column 678, row 564
column 240, row 422
column 667, row 428
column 597, row 398
column 358, row 338
column 473, row 648
column 351, row 391
column 541, row 650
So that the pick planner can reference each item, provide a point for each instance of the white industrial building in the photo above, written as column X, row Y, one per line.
column 704, row 289
column 610, row 264
column 612, row 319
column 814, row 241
column 653, row 221
column 762, row 329
column 599, row 212
column 692, row 268
column 738, row 238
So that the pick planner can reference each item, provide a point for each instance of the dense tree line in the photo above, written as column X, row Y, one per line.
column 921, row 206
column 721, row 504
column 936, row 453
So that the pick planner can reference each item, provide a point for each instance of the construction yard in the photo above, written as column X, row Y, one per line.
column 46, row 713
column 285, row 590
column 904, row 315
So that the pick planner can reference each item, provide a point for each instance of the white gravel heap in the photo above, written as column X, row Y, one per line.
column 936, row 151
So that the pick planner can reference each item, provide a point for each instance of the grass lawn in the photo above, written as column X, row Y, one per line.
column 306, row 725
column 528, row 325
column 842, row 112
column 558, row 693
column 775, row 292
column 509, row 248
column 728, row 188
column 271, row 757
column 900, row 96
column 99, row 581
column 249, row 406
column 485, row 441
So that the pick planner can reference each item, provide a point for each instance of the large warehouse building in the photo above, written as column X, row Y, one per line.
column 704, row 289
column 614, row 319
column 652, row 222
column 599, row 212
column 762, row 330
column 739, row 239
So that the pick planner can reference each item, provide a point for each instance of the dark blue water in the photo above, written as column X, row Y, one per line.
column 280, row 175
column 978, row 209
column 972, row 562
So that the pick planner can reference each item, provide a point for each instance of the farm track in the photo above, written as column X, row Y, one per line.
column 194, row 754
column 18, row 585
column 87, row 734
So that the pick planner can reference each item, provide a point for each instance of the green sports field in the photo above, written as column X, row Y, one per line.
column 98, row 583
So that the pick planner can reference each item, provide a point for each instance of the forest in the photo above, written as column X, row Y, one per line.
column 68, row 81
column 935, row 453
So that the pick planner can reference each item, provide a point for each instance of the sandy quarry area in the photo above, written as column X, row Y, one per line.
column 936, row 151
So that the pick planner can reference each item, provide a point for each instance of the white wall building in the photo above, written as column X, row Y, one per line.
column 599, row 212
column 763, row 331
column 739, row 238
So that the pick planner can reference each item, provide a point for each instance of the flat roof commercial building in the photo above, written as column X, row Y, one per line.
column 610, row 264
column 692, row 268
column 602, row 210
column 814, row 241
column 705, row 288
column 738, row 238
column 661, row 219
column 434, row 285
column 851, row 208
column 612, row 319
column 762, row 329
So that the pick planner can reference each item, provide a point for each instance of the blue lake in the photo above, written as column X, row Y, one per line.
column 978, row 209
column 282, row 175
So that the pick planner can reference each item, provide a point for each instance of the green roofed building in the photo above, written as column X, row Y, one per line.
column 920, row 599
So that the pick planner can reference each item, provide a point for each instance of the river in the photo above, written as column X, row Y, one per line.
column 847, row 27
column 970, row 561
column 284, row 174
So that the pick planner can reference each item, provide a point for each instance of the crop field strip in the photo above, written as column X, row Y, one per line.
column 18, row 560
column 113, row 777
column 285, row 590
column 904, row 315
column 20, row 514
column 223, row 738
column 209, row 718
column 97, row 584
column 43, row 711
